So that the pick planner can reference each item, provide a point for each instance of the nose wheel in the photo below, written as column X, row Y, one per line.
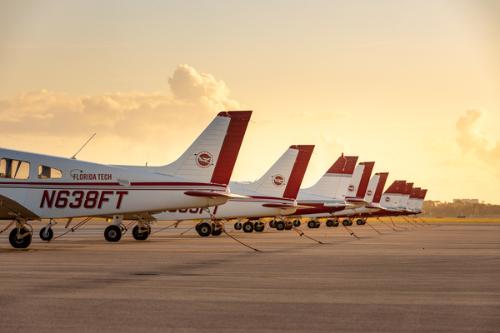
column 46, row 234
column 259, row 226
column 141, row 232
column 20, row 237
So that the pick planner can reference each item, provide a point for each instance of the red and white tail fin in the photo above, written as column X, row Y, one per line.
column 375, row 187
column 380, row 187
column 406, row 195
column 414, row 199
column 334, row 182
column 392, row 196
column 211, row 157
column 359, row 181
column 421, row 197
column 284, row 178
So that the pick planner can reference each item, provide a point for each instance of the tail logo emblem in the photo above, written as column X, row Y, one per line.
column 278, row 180
column 351, row 188
column 204, row 159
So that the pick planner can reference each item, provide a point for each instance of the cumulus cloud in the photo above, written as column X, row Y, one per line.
column 189, row 85
column 472, row 141
column 192, row 96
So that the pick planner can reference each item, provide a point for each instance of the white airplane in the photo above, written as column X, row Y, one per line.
column 394, row 201
column 270, row 196
column 416, row 201
column 390, row 203
column 372, row 195
column 35, row 186
column 340, row 184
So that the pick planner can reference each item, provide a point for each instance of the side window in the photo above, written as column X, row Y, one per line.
column 16, row 169
column 46, row 172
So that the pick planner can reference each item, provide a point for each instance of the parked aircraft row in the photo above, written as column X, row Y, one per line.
column 195, row 187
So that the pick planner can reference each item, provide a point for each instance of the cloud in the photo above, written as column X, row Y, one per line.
column 193, row 96
column 472, row 141
column 189, row 85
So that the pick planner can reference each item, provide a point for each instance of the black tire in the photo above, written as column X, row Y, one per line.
column 296, row 223
column 113, row 233
column 329, row 223
column 141, row 234
column 238, row 226
column 204, row 229
column 259, row 226
column 311, row 224
column 248, row 226
column 216, row 230
column 280, row 225
column 23, row 242
column 359, row 222
column 272, row 224
column 317, row 225
column 345, row 222
column 288, row 225
column 46, row 234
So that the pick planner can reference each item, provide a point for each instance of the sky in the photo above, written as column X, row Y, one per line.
column 412, row 85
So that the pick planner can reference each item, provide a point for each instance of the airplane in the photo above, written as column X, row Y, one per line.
column 344, row 183
column 392, row 202
column 270, row 196
column 372, row 196
column 36, row 186
column 416, row 201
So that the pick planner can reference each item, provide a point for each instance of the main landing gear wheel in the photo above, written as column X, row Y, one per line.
column 248, row 226
column 296, row 223
column 46, row 234
column 360, row 222
column 216, row 230
column 113, row 233
column 141, row 233
column 288, row 226
column 313, row 224
column 272, row 224
column 238, row 226
column 258, row 227
column 347, row 222
column 204, row 229
column 280, row 225
column 329, row 223
column 20, row 238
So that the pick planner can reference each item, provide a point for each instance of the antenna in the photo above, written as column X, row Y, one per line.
column 83, row 146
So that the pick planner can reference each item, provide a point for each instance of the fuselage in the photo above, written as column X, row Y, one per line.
column 55, row 187
column 251, row 204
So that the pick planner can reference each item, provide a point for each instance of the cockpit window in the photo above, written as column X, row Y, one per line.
column 15, row 169
column 46, row 172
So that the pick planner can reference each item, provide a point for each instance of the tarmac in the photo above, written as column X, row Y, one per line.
column 440, row 277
